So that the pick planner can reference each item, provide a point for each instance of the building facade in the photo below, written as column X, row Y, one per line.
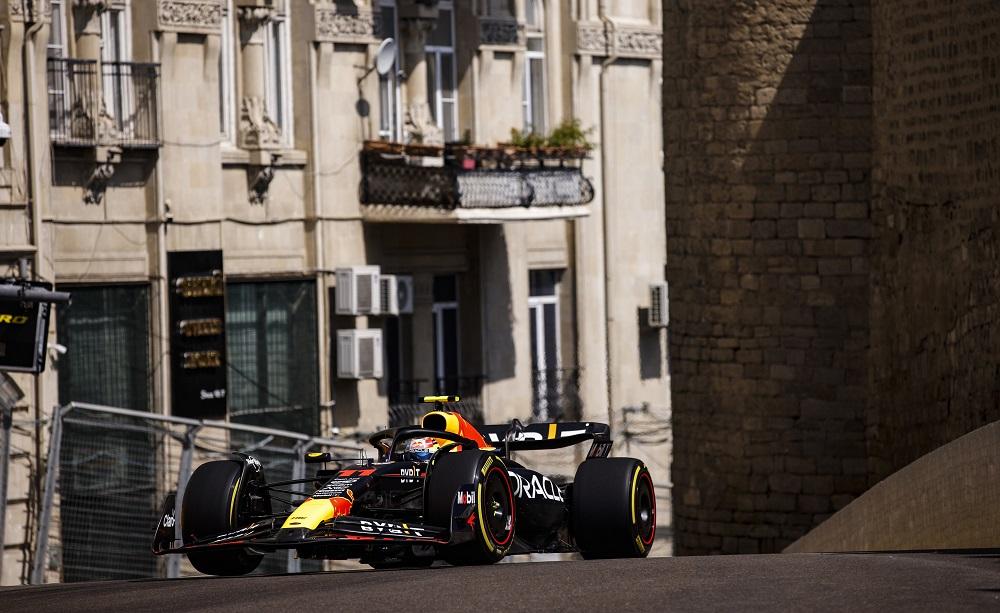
column 260, row 133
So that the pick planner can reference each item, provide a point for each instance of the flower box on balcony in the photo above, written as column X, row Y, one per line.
column 473, row 177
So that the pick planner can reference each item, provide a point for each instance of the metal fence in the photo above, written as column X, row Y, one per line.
column 406, row 410
column 74, row 101
column 556, row 394
column 109, row 470
column 114, row 103
column 391, row 179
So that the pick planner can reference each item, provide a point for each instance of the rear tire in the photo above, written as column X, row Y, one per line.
column 614, row 509
column 216, row 502
column 494, row 521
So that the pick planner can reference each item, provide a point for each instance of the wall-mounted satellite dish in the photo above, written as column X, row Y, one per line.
column 385, row 58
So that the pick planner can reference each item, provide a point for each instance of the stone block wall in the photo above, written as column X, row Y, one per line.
column 935, row 285
column 767, row 119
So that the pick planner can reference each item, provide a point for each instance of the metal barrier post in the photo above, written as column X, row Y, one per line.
column 6, row 418
column 183, row 474
column 298, row 472
column 51, row 471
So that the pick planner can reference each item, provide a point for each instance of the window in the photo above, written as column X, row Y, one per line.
column 58, row 82
column 543, row 316
column 227, row 96
column 106, row 331
column 534, row 68
column 446, row 336
column 116, row 48
column 277, row 73
column 441, row 73
column 57, row 33
column 272, row 355
column 388, row 85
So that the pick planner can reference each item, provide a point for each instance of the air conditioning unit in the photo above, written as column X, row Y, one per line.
column 388, row 295
column 659, row 309
column 359, row 354
column 404, row 294
column 358, row 291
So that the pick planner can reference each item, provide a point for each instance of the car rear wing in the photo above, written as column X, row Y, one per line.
column 531, row 437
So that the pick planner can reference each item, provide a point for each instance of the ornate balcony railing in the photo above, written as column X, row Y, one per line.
column 405, row 408
column 118, row 105
column 556, row 394
column 463, row 177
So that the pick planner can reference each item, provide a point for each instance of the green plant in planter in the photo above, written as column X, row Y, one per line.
column 570, row 135
column 526, row 140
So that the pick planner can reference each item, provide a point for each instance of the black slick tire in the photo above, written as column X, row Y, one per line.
column 214, row 501
column 495, row 520
column 613, row 511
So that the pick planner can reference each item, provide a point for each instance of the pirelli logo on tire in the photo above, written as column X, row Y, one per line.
column 15, row 320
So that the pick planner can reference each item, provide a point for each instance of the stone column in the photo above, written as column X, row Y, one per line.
column 416, row 22
column 87, row 20
column 257, row 129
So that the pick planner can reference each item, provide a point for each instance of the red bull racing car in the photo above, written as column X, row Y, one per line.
column 441, row 490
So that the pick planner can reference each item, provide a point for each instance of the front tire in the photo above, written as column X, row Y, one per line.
column 614, row 509
column 215, row 502
column 493, row 529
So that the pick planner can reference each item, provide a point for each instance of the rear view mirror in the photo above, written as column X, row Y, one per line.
column 317, row 457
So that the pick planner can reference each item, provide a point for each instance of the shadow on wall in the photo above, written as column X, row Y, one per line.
column 498, row 335
column 768, row 152
column 936, row 262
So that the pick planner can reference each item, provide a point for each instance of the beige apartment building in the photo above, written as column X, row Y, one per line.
column 374, row 240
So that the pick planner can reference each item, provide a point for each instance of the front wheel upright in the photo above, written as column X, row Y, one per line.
column 494, row 520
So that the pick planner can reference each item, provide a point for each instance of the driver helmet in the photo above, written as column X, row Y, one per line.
column 421, row 449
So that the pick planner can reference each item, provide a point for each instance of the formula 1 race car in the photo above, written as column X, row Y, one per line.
column 441, row 490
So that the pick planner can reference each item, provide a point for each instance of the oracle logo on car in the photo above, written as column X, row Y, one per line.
column 536, row 486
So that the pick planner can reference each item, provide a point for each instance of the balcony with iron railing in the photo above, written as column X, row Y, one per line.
column 459, row 183
column 556, row 394
column 405, row 408
column 95, row 104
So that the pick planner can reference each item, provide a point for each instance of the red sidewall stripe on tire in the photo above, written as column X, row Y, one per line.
column 652, row 501
column 510, row 498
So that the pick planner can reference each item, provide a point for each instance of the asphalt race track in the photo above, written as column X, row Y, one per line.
column 867, row 582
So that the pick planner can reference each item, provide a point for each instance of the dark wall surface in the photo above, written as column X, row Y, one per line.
column 833, row 177
column 935, row 286
column 768, row 152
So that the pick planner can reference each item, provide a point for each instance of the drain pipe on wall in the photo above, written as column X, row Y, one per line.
column 602, row 10
column 34, row 198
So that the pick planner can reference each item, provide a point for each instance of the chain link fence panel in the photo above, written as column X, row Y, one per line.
column 109, row 470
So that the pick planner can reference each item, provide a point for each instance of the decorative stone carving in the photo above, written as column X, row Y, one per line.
column 97, row 184
column 107, row 159
column 619, row 40
column 189, row 15
column 500, row 32
column 92, row 5
column 360, row 26
column 638, row 42
column 253, row 17
column 257, row 130
column 260, row 178
column 420, row 126
column 591, row 39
